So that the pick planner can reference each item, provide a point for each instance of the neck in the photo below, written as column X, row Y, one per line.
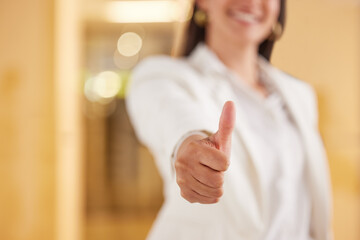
column 240, row 58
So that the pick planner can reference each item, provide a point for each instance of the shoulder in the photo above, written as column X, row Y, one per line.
column 298, row 84
column 166, row 73
column 161, row 65
column 295, row 86
column 302, row 92
column 290, row 83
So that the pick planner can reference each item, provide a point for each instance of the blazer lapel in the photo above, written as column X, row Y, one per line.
column 224, row 93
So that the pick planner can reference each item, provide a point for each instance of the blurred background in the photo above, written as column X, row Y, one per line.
column 71, row 167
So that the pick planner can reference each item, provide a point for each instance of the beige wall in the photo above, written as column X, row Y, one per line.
column 26, row 120
column 322, row 46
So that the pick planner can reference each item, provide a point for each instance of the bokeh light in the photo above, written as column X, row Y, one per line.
column 125, row 63
column 103, row 87
column 129, row 44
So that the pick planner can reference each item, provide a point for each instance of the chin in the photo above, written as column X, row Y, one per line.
column 248, row 40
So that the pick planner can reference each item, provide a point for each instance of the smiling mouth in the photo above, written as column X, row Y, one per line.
column 244, row 17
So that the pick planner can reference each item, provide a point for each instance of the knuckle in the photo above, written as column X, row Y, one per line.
column 208, row 142
column 192, row 144
column 216, row 200
column 180, row 181
column 177, row 164
column 180, row 164
column 212, row 201
column 217, row 180
column 180, row 160
column 183, row 194
column 188, row 197
column 205, row 201
column 224, row 163
column 218, row 192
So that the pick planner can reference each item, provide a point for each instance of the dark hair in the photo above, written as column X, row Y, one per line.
column 196, row 34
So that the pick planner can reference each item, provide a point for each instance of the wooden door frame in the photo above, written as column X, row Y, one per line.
column 68, row 127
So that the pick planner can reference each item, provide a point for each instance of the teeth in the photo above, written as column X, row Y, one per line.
column 248, row 17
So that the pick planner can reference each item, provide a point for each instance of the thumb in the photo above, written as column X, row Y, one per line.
column 222, row 137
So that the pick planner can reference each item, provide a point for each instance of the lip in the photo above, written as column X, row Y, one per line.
column 244, row 17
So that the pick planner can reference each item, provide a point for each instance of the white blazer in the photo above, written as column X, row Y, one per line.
column 169, row 97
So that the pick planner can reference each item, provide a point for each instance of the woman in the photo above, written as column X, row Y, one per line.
column 258, row 172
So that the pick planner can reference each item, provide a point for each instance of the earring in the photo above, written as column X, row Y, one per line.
column 276, row 32
column 200, row 18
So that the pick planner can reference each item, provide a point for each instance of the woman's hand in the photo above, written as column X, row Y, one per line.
column 201, row 162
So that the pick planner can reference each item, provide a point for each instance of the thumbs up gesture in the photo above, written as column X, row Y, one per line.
column 201, row 162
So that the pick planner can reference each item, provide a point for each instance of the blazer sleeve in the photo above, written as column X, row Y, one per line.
column 164, row 102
